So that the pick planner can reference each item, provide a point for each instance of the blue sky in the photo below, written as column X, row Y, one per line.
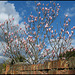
column 24, row 8
column 19, row 9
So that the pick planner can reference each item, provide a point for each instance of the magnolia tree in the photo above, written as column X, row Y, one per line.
column 38, row 41
column 10, row 38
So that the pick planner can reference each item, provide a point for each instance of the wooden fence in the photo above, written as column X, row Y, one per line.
column 53, row 67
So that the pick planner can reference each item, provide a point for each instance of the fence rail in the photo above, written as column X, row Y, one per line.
column 53, row 67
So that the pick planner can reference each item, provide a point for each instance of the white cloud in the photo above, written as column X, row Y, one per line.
column 2, row 58
column 73, row 43
column 73, row 8
column 70, row 12
column 28, row 4
column 8, row 9
column 34, row 8
column 23, row 12
column 5, row 10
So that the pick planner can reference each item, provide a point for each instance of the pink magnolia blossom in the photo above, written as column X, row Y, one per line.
column 34, row 33
column 11, row 27
column 50, row 59
column 39, row 17
column 20, row 28
column 59, row 6
column 35, row 19
column 52, row 51
column 2, row 27
column 54, row 3
column 70, row 36
column 23, row 40
column 9, row 34
column 6, row 37
column 47, row 50
column 63, row 58
column 10, row 20
column 52, row 10
column 69, row 19
column 72, row 32
column 15, row 36
column 16, row 40
column 57, row 3
column 71, row 50
column 57, row 14
column 45, row 54
column 65, row 52
column 30, row 37
column 54, row 55
column 38, row 4
column 3, row 24
column 43, row 4
column 62, row 30
column 28, row 20
column 31, row 16
column 29, row 52
column 57, row 37
column 40, row 49
column 73, row 27
column 24, row 22
column 64, row 24
column 39, row 12
column 49, row 29
column 21, row 46
column 13, row 18
column 4, row 54
column 11, row 39
column 42, row 19
column 38, row 46
column 50, row 17
column 67, row 32
column 17, row 24
column 46, row 26
column 52, row 35
column 67, row 24
column 44, row 36
column 52, row 31
column 39, row 26
column 43, row 43
column 66, row 15
column 74, row 49
column 5, row 32
column 14, row 51
column 68, row 50
column 5, row 51
column 17, row 31
column 26, row 49
column 32, row 21
column 42, row 8
column 12, row 33
column 29, row 26
column 45, row 8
